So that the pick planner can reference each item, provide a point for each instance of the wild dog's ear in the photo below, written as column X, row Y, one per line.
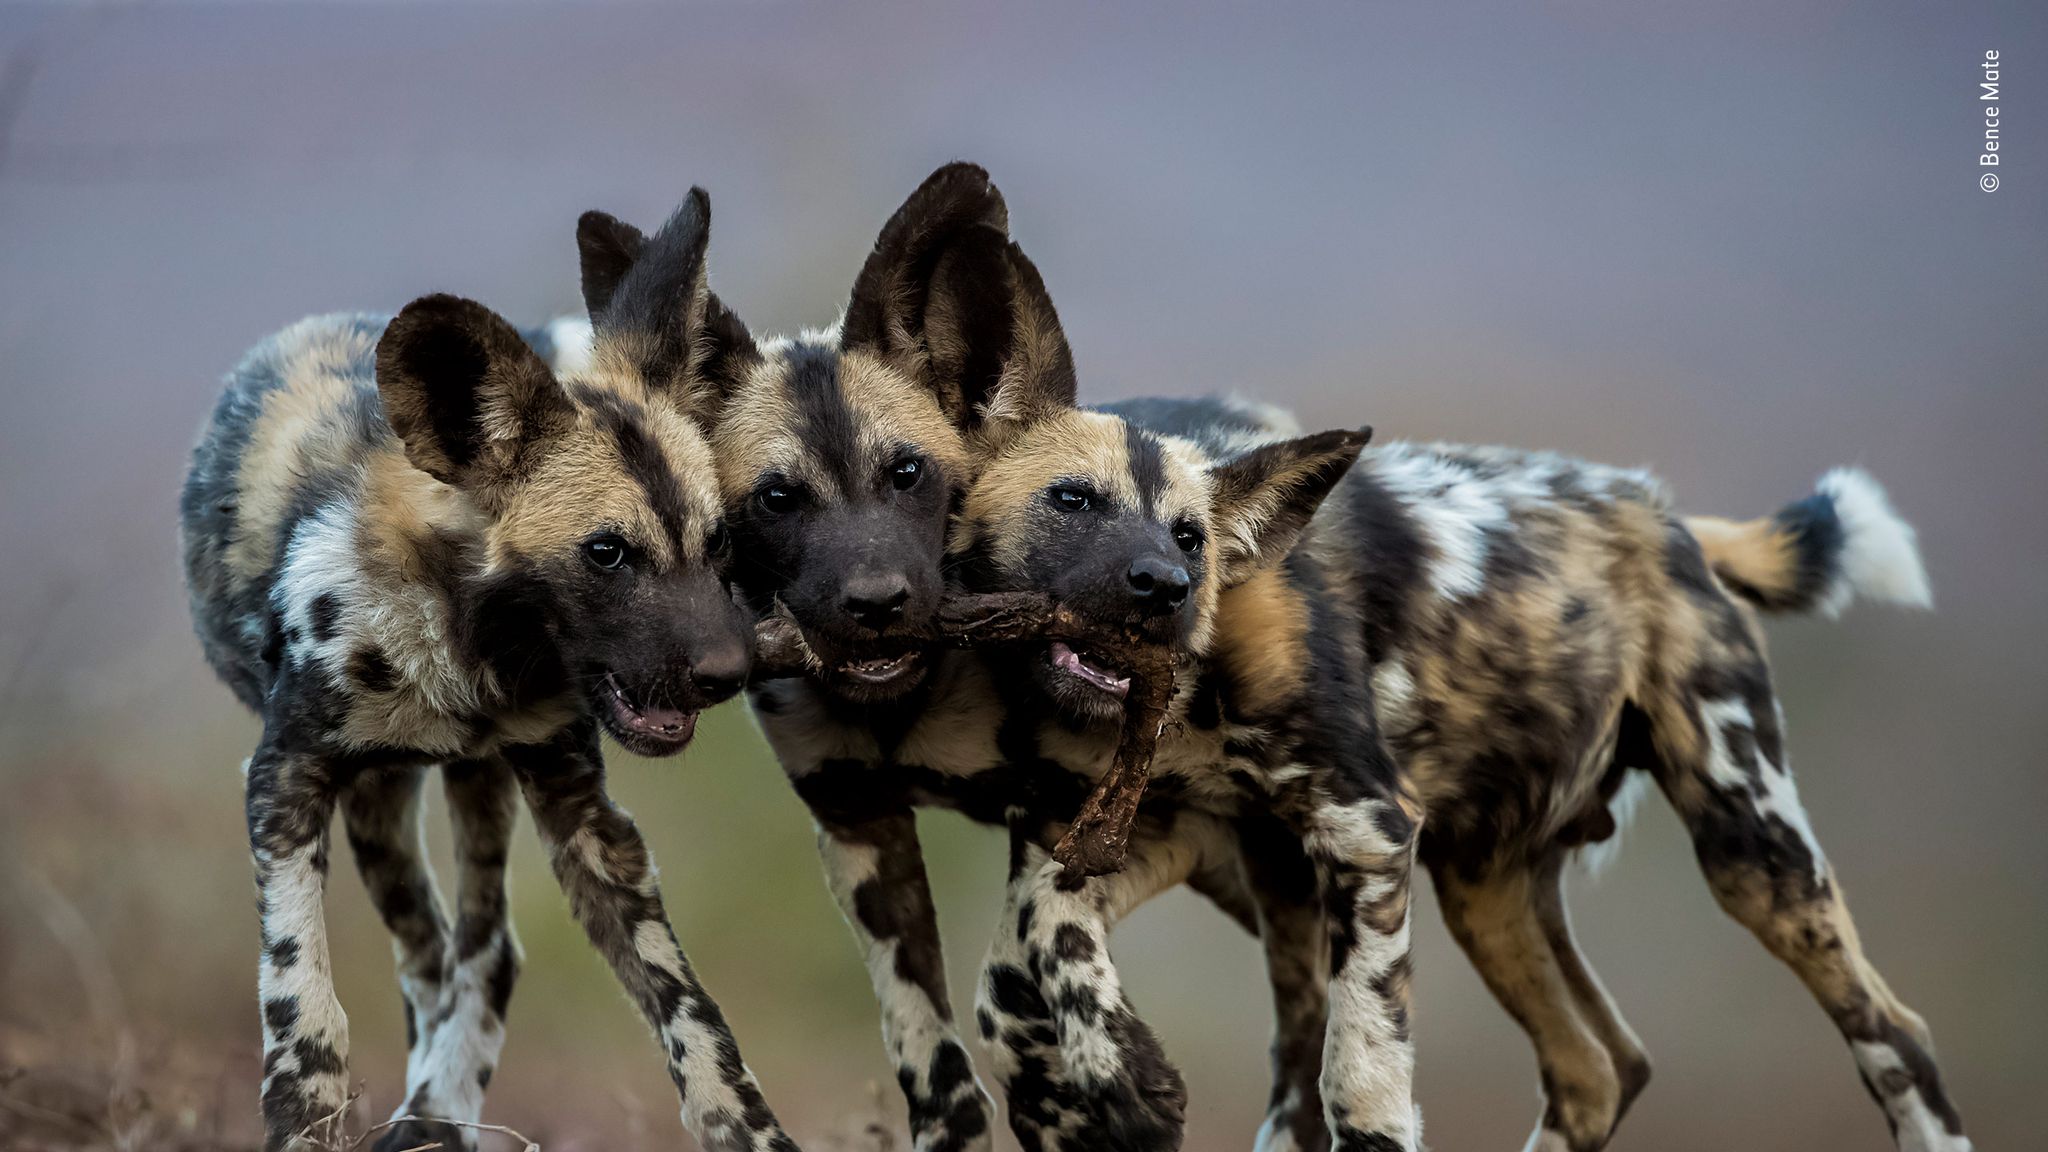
column 1264, row 498
column 724, row 350
column 947, row 299
column 651, row 310
column 470, row 399
column 607, row 247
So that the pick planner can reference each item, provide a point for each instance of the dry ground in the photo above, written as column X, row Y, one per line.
column 118, row 1093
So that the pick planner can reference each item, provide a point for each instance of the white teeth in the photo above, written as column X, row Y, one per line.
column 880, row 668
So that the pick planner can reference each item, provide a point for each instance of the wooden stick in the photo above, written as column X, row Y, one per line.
column 1095, row 842
column 964, row 621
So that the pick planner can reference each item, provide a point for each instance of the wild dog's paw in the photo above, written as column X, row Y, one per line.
column 1145, row 1110
column 1129, row 1121
column 956, row 1115
column 1350, row 1139
column 1931, row 1139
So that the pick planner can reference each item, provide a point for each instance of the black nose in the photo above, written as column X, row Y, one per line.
column 876, row 601
column 1157, row 585
column 720, row 672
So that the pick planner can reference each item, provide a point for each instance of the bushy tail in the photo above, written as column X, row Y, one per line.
column 1820, row 554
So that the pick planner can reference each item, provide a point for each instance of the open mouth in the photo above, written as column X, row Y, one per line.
column 648, row 731
column 1089, row 671
column 880, row 669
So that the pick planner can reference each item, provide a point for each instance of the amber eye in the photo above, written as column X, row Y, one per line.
column 607, row 552
column 905, row 473
column 1069, row 498
column 1188, row 535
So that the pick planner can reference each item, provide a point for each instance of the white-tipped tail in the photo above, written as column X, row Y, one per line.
column 569, row 339
column 1841, row 544
column 1880, row 556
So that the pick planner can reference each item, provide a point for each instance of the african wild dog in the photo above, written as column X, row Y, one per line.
column 1461, row 661
column 412, row 544
column 843, row 455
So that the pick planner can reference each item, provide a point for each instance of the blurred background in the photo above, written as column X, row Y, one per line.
column 1739, row 242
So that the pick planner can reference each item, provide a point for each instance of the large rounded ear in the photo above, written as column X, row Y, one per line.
column 1264, row 498
column 950, row 301
column 606, row 247
column 651, row 309
column 470, row 399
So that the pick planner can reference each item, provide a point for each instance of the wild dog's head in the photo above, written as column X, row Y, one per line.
column 1135, row 531
column 604, row 538
column 842, row 454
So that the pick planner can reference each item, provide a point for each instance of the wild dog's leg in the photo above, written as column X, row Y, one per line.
column 483, row 802
column 382, row 814
column 604, row 868
column 1105, row 1082
column 1016, row 1024
column 1722, row 763
column 1496, row 917
column 381, row 811
column 1363, row 848
column 465, row 1029
column 875, row 869
column 1631, row 1061
column 291, row 798
column 1271, row 893
column 1291, row 927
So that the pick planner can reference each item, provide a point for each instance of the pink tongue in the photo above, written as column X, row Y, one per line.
column 1067, row 659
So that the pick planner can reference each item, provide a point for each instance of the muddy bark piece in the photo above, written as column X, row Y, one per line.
column 971, row 621
column 779, row 649
column 1095, row 842
column 964, row 621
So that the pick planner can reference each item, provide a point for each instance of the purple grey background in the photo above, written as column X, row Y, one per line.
column 1739, row 242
